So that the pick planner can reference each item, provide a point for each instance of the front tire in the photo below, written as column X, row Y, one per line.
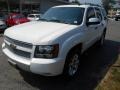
column 72, row 63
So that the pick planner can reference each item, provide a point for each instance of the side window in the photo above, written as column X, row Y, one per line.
column 98, row 14
column 104, row 14
column 90, row 13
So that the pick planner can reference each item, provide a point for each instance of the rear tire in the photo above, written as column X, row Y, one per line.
column 72, row 63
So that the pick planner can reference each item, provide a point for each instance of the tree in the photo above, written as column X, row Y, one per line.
column 108, row 4
column 8, row 6
column 76, row 2
column 112, row 1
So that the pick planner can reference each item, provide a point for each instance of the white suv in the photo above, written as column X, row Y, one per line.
column 53, row 45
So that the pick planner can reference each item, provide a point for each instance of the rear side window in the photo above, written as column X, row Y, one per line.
column 31, row 16
column 104, row 13
column 98, row 14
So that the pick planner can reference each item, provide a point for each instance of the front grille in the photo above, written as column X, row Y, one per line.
column 19, row 43
column 18, row 52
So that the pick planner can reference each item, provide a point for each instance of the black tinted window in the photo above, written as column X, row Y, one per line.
column 32, row 16
column 69, row 15
column 37, row 16
column 104, row 13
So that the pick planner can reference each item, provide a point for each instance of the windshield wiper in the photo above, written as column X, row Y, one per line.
column 55, row 20
column 59, row 21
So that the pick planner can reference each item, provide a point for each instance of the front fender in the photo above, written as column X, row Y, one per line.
column 69, row 43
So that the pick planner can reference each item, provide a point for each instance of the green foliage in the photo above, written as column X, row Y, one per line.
column 76, row 2
column 112, row 1
column 108, row 4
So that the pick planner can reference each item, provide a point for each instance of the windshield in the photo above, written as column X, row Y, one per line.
column 68, row 15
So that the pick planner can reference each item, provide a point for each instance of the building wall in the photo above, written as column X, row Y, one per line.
column 29, row 5
column 46, row 4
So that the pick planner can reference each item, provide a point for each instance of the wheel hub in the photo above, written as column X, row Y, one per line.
column 73, row 66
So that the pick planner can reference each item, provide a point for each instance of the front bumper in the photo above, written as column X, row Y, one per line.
column 45, row 67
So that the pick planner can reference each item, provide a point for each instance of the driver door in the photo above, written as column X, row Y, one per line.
column 92, row 30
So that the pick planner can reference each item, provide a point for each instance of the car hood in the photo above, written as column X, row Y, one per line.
column 34, row 32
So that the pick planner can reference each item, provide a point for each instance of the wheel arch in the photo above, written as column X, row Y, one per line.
column 76, row 47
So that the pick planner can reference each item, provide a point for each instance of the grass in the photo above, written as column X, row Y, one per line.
column 112, row 78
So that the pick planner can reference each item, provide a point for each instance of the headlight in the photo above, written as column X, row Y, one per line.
column 46, row 51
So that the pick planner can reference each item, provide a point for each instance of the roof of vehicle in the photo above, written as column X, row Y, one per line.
column 83, row 6
column 34, row 14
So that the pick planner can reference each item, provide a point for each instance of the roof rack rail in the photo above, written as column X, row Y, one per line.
column 87, row 4
column 93, row 4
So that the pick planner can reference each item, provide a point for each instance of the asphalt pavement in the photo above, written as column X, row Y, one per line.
column 94, row 65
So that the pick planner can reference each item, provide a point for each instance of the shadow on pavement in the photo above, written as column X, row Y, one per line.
column 94, row 66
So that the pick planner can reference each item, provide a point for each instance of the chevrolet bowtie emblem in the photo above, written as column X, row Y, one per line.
column 13, row 46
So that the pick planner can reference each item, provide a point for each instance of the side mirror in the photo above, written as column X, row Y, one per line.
column 93, row 21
